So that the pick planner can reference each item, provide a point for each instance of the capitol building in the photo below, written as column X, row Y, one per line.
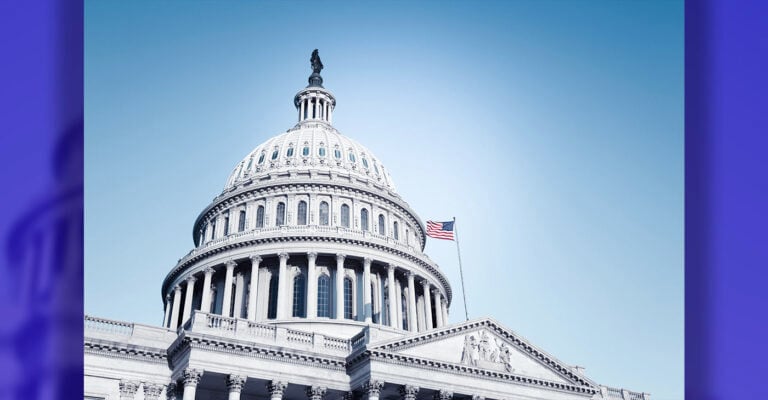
column 308, row 280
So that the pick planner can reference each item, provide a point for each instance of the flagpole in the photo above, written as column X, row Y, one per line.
column 461, row 271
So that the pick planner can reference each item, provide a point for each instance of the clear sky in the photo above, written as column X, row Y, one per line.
column 552, row 131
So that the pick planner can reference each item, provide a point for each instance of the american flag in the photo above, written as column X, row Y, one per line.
column 440, row 230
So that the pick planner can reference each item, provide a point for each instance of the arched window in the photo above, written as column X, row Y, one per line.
column 280, row 218
column 274, row 154
column 365, row 163
column 351, row 156
column 260, row 217
column 226, row 224
column 321, row 151
column 241, row 222
column 323, row 213
column 347, row 298
column 301, row 213
column 250, row 162
column 202, row 235
column 213, row 229
column 299, row 303
column 364, row 219
column 337, row 154
column 289, row 152
column 272, row 307
column 261, row 158
column 324, row 296
column 305, row 151
column 404, row 311
column 382, row 227
column 394, row 230
column 345, row 215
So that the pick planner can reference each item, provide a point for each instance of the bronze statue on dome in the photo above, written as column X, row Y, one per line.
column 317, row 65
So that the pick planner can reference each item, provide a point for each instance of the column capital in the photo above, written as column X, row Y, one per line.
column 436, row 292
column 283, row 256
column 443, row 395
column 152, row 391
column 425, row 283
column 128, row 388
column 340, row 257
column 177, row 288
column 191, row 279
column 192, row 376
column 409, row 392
column 391, row 267
column 367, row 260
column 231, row 264
column 373, row 387
column 167, row 297
column 256, row 259
column 171, row 391
column 276, row 388
column 235, row 382
column 312, row 255
column 209, row 270
column 316, row 392
column 409, row 274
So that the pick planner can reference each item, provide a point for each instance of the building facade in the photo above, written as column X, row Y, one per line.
column 308, row 280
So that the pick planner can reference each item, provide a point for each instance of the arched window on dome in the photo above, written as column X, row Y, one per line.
column 364, row 219
column 261, row 158
column 345, row 215
column 305, row 150
column 376, row 168
column 260, row 217
column 280, row 217
column 241, row 221
column 275, row 153
column 347, row 298
column 382, row 226
column 324, row 296
column 272, row 306
column 226, row 223
column 301, row 213
column 337, row 154
column 321, row 151
column 351, row 156
column 404, row 310
column 289, row 152
column 365, row 162
column 395, row 233
column 299, row 299
column 250, row 163
column 213, row 229
column 324, row 220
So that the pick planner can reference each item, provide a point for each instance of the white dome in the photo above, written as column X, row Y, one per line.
column 310, row 146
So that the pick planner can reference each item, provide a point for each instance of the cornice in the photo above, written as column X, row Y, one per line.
column 191, row 341
column 279, row 237
column 125, row 351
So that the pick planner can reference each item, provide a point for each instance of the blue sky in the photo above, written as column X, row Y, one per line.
column 552, row 131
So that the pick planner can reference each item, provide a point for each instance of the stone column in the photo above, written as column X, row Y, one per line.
column 253, row 290
column 167, row 314
column 282, row 279
column 276, row 389
column 367, row 300
column 391, row 307
column 340, row 286
column 205, row 302
column 301, row 110
column 239, row 292
column 128, row 389
column 443, row 395
column 408, row 392
column 427, row 304
column 317, row 107
column 412, row 324
column 399, row 305
column 372, row 389
column 311, row 285
column 445, row 310
column 235, row 385
column 176, row 306
column 438, row 308
column 188, row 299
column 191, row 379
column 227, row 301
column 316, row 392
column 152, row 391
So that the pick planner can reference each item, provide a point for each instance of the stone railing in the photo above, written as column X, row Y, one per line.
column 108, row 326
column 622, row 394
column 360, row 340
column 241, row 329
column 309, row 230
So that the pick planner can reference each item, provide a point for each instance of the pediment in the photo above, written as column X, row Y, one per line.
column 485, row 344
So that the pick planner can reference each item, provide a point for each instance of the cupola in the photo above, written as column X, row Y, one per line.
column 315, row 103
